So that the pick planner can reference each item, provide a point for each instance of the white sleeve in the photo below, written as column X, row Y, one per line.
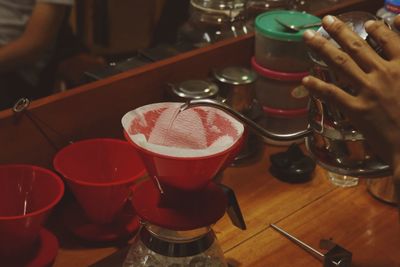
column 61, row 2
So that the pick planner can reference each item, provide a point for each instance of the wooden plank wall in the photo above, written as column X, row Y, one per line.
column 96, row 109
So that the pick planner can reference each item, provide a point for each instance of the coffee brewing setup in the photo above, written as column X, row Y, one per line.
column 185, row 146
column 183, row 151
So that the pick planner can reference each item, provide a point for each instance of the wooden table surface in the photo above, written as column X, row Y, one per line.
column 311, row 211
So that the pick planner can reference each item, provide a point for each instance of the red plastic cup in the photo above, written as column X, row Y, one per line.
column 27, row 195
column 100, row 173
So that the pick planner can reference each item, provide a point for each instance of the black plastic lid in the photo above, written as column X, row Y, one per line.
column 292, row 166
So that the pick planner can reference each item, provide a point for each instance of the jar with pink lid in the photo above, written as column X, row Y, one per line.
column 280, row 90
column 284, row 121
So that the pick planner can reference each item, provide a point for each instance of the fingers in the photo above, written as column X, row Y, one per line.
column 335, row 58
column 396, row 22
column 386, row 38
column 396, row 181
column 352, row 43
column 329, row 92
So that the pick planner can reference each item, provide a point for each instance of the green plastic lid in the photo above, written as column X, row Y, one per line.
column 266, row 23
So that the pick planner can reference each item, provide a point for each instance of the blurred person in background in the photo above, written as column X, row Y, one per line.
column 375, row 109
column 28, row 35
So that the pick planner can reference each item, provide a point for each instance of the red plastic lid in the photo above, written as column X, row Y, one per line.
column 125, row 224
column 203, row 211
column 45, row 252
column 286, row 113
column 276, row 75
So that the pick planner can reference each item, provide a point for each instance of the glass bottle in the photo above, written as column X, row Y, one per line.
column 389, row 11
column 300, row 5
column 255, row 7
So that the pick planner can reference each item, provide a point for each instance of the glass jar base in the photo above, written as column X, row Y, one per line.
column 342, row 180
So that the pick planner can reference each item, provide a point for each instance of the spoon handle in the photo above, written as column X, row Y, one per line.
column 297, row 28
column 286, row 26
column 309, row 25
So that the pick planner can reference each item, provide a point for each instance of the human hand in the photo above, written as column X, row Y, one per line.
column 375, row 109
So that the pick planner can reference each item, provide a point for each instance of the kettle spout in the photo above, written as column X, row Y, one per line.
column 243, row 119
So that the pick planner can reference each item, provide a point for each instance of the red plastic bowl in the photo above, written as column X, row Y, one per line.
column 100, row 173
column 27, row 195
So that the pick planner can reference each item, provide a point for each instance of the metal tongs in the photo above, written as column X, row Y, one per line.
column 334, row 257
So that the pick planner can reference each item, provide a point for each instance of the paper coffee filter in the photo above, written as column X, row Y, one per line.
column 194, row 132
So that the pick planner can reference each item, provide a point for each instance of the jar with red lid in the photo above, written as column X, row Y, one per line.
column 284, row 121
column 280, row 90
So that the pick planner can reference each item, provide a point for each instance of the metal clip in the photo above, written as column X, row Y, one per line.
column 21, row 105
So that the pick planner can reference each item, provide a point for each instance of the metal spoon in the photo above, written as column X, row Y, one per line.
column 336, row 256
column 298, row 28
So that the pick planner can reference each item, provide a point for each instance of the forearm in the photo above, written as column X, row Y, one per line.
column 40, row 33
column 19, row 53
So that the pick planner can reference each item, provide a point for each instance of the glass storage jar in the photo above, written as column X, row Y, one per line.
column 211, row 21
column 278, row 49
column 254, row 8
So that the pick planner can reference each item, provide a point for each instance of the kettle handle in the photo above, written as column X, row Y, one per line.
column 233, row 209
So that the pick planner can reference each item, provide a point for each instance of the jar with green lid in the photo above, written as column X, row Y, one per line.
column 278, row 48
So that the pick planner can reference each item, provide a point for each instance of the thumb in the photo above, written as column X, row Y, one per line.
column 396, row 22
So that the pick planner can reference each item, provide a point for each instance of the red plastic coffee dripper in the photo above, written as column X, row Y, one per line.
column 27, row 195
column 199, row 143
column 100, row 173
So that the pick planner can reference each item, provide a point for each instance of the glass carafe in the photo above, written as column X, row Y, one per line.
column 158, row 246
column 255, row 7
column 211, row 21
